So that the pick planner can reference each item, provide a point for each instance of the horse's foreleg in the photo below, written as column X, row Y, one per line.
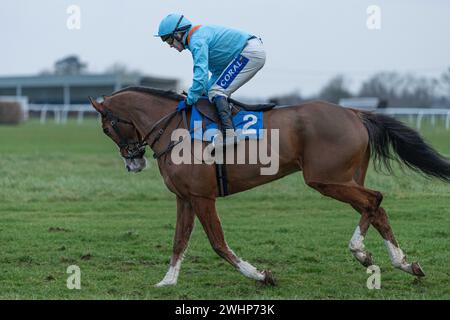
column 207, row 214
column 183, row 230
column 381, row 223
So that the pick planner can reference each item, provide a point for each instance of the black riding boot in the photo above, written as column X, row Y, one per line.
column 224, row 112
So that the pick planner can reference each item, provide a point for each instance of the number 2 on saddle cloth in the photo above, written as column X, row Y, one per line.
column 248, row 125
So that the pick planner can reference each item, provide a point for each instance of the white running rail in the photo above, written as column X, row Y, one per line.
column 60, row 113
column 419, row 113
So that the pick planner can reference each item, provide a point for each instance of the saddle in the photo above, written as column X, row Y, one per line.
column 208, row 110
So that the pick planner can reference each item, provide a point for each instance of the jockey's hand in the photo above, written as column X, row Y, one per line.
column 183, row 105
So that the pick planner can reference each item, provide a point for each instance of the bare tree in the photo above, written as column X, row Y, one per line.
column 445, row 81
column 400, row 90
column 335, row 90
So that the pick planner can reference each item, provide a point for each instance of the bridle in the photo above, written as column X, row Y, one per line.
column 136, row 149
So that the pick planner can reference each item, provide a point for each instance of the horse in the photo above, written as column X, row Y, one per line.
column 309, row 133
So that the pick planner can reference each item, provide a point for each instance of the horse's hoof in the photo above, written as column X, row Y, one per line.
column 368, row 261
column 269, row 279
column 165, row 284
column 364, row 257
column 417, row 269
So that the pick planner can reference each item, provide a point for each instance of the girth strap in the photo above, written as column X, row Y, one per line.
column 221, row 174
column 222, row 179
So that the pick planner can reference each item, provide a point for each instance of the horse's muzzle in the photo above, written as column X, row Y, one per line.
column 136, row 164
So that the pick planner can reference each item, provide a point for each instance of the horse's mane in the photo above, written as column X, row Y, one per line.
column 153, row 91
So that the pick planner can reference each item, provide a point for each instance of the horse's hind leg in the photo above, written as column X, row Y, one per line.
column 356, row 244
column 361, row 199
column 381, row 223
column 205, row 210
column 367, row 203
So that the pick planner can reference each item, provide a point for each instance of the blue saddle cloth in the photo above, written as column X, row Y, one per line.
column 248, row 124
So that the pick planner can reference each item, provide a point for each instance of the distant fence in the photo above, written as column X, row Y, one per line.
column 61, row 113
column 420, row 114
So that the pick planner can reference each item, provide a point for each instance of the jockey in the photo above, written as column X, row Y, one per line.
column 232, row 56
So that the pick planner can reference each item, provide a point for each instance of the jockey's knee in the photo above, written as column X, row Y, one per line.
column 214, row 92
column 259, row 61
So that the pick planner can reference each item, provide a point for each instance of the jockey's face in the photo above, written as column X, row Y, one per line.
column 177, row 45
column 173, row 42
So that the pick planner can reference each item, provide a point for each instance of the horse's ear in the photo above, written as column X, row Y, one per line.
column 97, row 106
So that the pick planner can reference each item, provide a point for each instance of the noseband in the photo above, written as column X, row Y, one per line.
column 136, row 149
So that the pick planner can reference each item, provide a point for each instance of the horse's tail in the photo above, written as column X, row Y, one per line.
column 390, row 140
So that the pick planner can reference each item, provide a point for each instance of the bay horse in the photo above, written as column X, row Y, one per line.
column 329, row 144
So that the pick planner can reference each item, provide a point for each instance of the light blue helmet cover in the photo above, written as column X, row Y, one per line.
column 169, row 24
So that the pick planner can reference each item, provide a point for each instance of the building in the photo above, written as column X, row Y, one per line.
column 75, row 88
column 363, row 103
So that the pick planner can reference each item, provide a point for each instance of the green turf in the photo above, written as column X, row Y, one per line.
column 65, row 199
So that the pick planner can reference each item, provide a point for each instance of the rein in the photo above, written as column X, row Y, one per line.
column 166, row 120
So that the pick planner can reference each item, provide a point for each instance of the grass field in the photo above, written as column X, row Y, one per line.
column 66, row 199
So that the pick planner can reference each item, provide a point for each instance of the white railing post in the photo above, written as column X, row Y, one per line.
column 447, row 121
column 57, row 115
column 80, row 116
column 419, row 120
column 65, row 113
column 43, row 114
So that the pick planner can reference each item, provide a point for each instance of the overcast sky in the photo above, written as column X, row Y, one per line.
column 307, row 42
